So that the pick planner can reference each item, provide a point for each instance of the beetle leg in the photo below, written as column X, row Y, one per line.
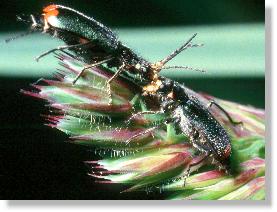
column 143, row 113
column 34, row 22
column 188, row 171
column 90, row 66
column 120, row 69
column 148, row 130
column 61, row 48
column 225, row 112
column 141, row 133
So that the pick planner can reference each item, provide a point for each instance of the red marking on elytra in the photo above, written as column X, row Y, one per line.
column 50, row 10
column 51, row 13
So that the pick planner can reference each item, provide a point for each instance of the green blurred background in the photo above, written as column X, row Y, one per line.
column 233, row 57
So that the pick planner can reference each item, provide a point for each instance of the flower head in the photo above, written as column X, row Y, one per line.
column 142, row 155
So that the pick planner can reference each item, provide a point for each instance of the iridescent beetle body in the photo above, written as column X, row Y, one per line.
column 194, row 119
column 93, row 41
column 69, row 21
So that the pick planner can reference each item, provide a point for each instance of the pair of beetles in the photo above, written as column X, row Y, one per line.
column 96, row 44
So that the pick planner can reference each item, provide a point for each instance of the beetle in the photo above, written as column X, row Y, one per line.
column 193, row 119
column 97, row 44
column 92, row 41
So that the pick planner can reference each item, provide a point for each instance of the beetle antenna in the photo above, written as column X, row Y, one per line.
column 19, row 36
column 22, row 18
column 178, row 51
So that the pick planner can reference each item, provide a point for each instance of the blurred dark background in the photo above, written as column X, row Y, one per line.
column 35, row 162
